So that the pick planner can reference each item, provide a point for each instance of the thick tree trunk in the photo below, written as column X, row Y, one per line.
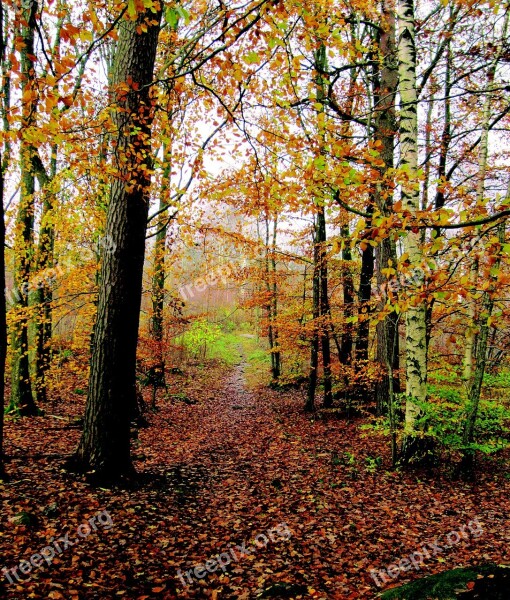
column 414, row 447
column 104, row 447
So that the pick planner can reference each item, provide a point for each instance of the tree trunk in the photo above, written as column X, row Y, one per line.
column 414, row 447
column 364, row 295
column 348, row 293
column 21, row 389
column 481, row 360
column 314, row 346
column 324, row 308
column 320, row 272
column 43, row 295
column 104, row 447
column 158, row 279
column 387, row 340
column 470, row 348
column 274, row 301
column 3, row 325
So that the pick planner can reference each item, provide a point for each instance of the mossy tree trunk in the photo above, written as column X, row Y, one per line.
column 21, row 389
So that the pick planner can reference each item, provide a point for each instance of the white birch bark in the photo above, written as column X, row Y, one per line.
column 416, row 346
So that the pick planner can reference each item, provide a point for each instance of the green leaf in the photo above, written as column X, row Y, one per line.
column 172, row 17
column 319, row 163
column 184, row 14
column 131, row 9
column 252, row 58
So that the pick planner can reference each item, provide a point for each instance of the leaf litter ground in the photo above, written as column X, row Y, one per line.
column 217, row 473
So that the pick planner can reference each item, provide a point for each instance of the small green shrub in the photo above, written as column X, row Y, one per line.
column 444, row 416
column 499, row 380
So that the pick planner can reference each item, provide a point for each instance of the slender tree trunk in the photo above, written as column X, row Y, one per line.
column 324, row 307
column 158, row 279
column 388, row 342
column 470, row 348
column 314, row 346
column 3, row 324
column 271, row 306
column 21, row 389
column 158, row 282
column 104, row 447
column 364, row 296
column 43, row 295
column 320, row 272
column 348, row 298
column 481, row 361
column 387, row 339
column 274, row 300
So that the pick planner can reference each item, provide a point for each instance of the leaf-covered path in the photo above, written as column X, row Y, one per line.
column 218, row 470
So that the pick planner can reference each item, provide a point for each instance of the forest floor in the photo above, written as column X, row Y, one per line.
column 291, row 506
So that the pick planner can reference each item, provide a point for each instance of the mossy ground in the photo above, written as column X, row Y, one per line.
column 484, row 582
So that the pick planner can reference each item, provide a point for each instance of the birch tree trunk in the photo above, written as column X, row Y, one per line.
column 104, row 448
column 414, row 447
